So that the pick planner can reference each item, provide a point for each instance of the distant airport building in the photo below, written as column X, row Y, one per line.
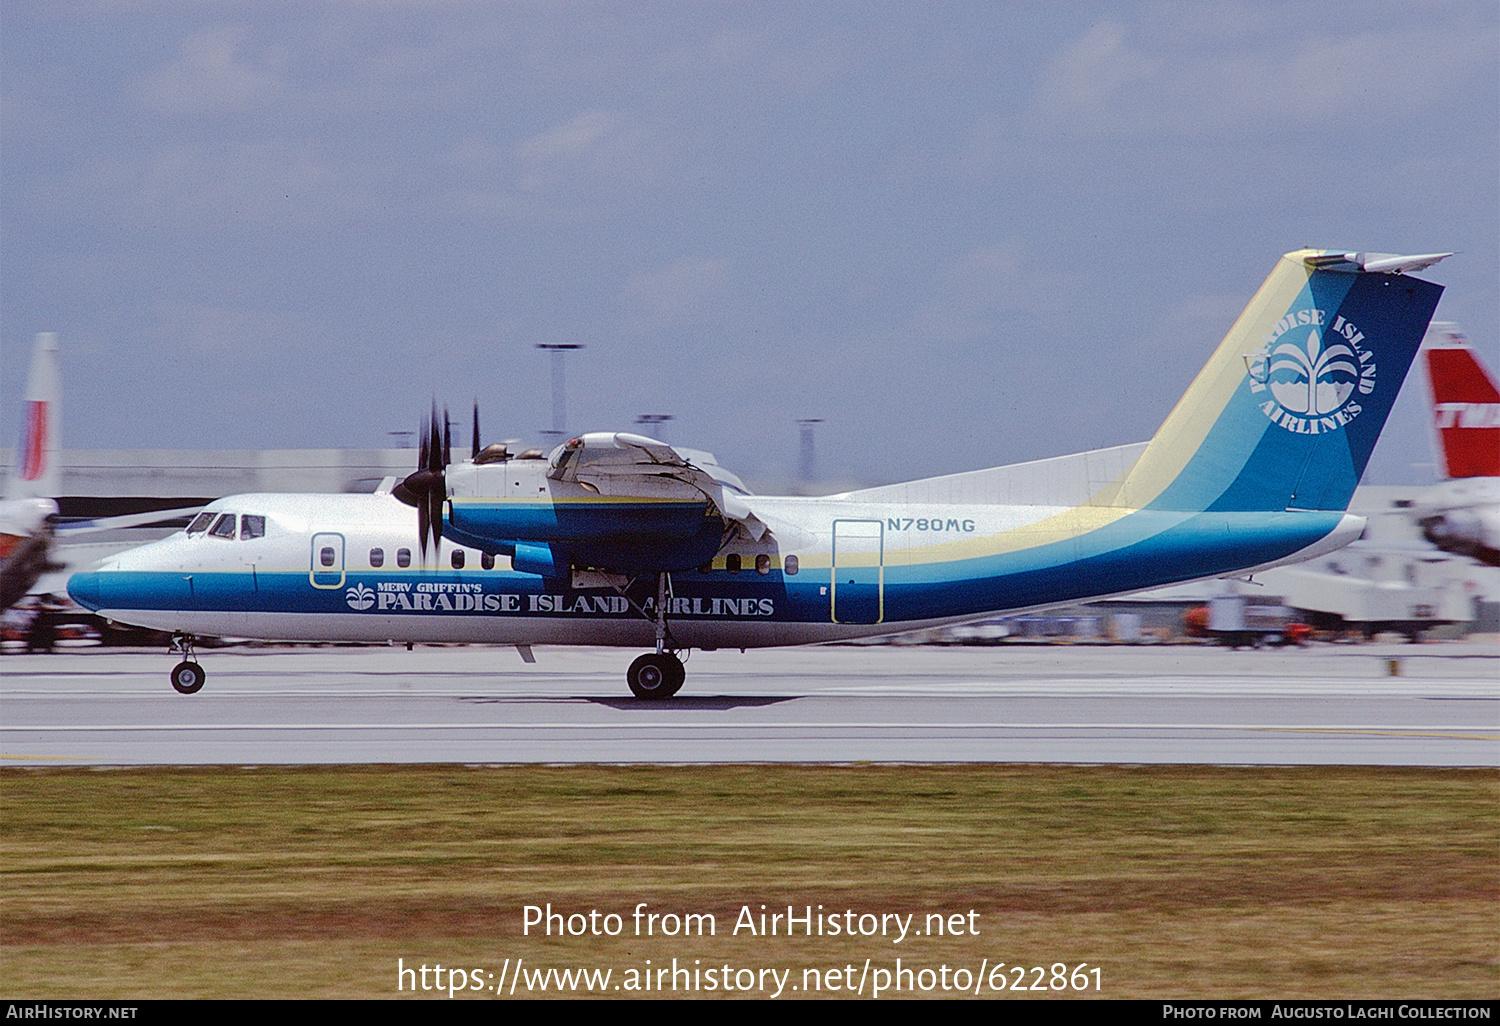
column 106, row 482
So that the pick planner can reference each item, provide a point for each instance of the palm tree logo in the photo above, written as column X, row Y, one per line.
column 1317, row 379
column 361, row 597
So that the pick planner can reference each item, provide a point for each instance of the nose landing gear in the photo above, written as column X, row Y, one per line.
column 187, row 676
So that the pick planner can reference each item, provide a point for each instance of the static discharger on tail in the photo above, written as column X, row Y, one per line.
column 621, row 539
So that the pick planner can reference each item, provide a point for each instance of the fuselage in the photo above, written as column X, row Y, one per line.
column 1462, row 515
column 25, row 545
column 348, row 568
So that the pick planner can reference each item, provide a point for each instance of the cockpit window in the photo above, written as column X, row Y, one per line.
column 224, row 526
column 200, row 523
column 252, row 526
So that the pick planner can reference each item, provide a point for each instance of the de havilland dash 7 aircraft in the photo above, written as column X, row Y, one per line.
column 620, row 539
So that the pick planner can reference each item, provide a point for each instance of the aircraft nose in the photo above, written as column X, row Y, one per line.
column 84, row 589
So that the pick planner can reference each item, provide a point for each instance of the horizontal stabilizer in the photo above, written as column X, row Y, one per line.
column 1373, row 263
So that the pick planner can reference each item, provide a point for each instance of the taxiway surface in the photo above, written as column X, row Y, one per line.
column 1437, row 705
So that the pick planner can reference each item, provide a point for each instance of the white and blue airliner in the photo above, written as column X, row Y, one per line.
column 619, row 539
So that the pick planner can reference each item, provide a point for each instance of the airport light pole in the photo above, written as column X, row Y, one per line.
column 656, row 423
column 808, row 453
column 559, row 398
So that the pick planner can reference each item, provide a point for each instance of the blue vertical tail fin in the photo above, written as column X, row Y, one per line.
column 1288, row 409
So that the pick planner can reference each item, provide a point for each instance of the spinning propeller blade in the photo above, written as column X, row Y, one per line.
column 426, row 488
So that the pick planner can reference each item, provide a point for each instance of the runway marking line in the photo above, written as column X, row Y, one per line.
column 1383, row 731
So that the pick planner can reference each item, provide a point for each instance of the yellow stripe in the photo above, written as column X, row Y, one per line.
column 1186, row 427
column 542, row 499
column 1060, row 527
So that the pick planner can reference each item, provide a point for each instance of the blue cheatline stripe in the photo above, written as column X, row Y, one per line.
column 1142, row 550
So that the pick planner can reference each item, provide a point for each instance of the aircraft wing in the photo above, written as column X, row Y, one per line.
column 619, row 463
column 71, row 528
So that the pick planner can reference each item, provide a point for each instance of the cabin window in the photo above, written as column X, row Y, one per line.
column 377, row 557
column 200, row 523
column 487, row 560
column 732, row 563
column 762, row 564
column 458, row 559
column 403, row 558
column 326, row 555
column 252, row 526
column 224, row 526
column 790, row 566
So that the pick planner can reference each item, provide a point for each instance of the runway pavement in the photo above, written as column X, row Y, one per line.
column 1436, row 705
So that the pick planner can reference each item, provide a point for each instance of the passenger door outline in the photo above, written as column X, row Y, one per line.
column 858, row 574
column 331, row 576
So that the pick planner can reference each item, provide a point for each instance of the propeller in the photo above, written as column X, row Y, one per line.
column 426, row 489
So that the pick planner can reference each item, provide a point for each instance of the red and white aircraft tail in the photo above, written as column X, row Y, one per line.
column 1462, row 514
column 25, row 531
column 29, row 534
column 1465, row 405
column 36, row 474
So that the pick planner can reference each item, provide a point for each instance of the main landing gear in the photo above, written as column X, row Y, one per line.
column 187, row 676
column 657, row 675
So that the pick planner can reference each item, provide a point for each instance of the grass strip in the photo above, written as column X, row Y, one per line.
column 1327, row 882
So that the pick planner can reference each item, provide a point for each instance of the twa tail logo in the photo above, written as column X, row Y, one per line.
column 34, row 449
column 1467, row 415
column 1465, row 405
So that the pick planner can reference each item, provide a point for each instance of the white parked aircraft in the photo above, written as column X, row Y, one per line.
column 29, row 527
column 26, row 512
column 1462, row 514
column 619, row 539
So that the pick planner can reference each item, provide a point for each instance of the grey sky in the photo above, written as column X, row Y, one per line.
column 962, row 234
